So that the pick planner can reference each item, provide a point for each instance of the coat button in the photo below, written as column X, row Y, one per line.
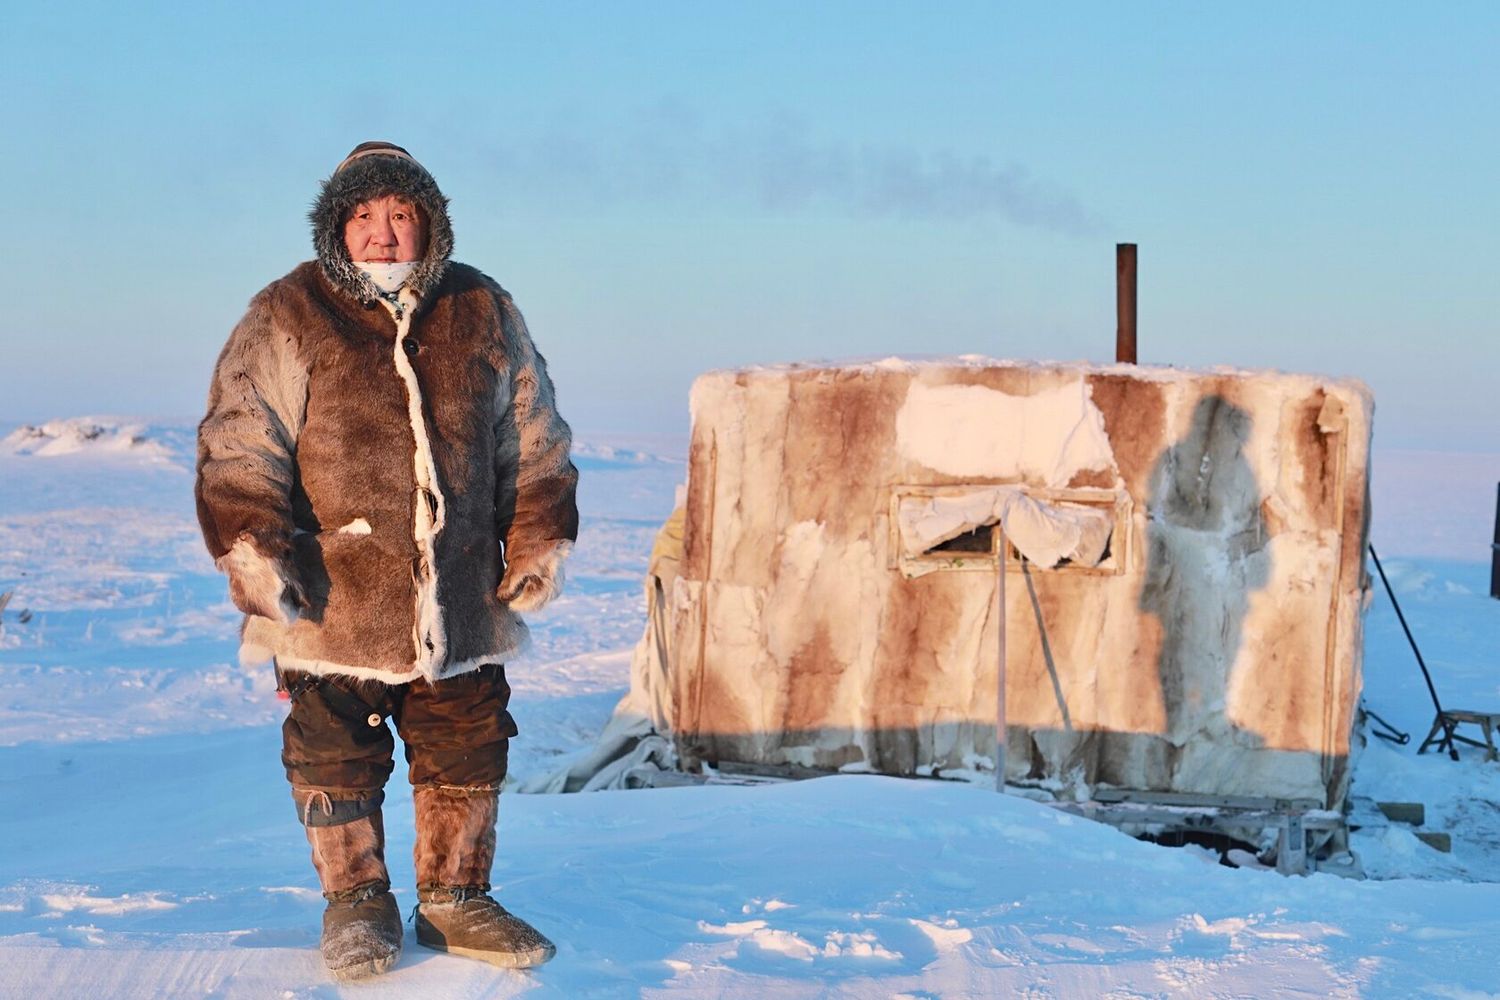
column 411, row 346
column 374, row 719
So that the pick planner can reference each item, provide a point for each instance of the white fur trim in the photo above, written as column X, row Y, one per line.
column 328, row 667
column 253, row 654
column 258, row 582
column 428, row 638
column 358, row 526
column 548, row 570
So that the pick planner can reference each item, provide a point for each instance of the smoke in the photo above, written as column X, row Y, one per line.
column 670, row 157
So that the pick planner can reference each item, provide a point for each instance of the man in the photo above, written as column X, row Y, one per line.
column 384, row 477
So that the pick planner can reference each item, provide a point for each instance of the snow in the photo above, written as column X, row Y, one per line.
column 150, row 846
column 83, row 434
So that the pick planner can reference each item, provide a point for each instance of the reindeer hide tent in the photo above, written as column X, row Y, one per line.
column 1185, row 576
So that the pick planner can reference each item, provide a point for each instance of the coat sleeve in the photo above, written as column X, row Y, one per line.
column 247, row 464
column 536, row 482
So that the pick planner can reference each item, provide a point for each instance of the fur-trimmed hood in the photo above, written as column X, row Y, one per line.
column 373, row 171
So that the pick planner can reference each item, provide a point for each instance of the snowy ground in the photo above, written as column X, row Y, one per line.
column 148, row 846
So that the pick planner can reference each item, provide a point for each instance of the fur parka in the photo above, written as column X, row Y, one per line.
column 386, row 483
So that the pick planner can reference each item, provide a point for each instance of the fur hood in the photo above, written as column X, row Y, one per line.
column 374, row 175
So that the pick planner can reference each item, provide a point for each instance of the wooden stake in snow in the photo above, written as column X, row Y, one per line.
column 1001, row 544
column 1495, row 552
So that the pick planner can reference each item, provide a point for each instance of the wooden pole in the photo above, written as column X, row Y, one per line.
column 1125, row 352
column 1000, row 662
column 1495, row 552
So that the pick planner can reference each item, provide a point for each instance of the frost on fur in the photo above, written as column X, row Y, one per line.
column 259, row 585
column 529, row 585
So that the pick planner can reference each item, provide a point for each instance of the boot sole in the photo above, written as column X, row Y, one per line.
column 504, row 959
column 364, row 970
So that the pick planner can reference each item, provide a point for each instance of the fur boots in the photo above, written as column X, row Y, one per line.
column 362, row 924
column 455, row 913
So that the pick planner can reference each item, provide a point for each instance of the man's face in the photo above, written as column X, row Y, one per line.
column 386, row 230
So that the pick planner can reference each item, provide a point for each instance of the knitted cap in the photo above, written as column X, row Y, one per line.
column 374, row 147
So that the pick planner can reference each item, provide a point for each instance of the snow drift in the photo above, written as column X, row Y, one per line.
column 84, row 435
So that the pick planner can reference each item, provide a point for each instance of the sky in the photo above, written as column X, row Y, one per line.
column 668, row 188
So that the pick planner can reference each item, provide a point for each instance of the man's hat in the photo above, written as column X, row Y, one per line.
column 373, row 170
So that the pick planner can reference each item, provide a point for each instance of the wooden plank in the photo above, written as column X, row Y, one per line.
column 1197, row 819
column 789, row 772
column 1364, row 814
column 1191, row 800
column 1413, row 813
column 1291, row 846
column 1469, row 715
column 1437, row 840
column 647, row 776
column 651, row 777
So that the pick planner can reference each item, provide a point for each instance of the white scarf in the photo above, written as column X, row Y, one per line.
column 387, row 277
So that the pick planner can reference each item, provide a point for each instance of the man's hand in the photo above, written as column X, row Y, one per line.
column 530, row 583
column 260, row 585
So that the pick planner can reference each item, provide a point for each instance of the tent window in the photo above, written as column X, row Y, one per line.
column 974, row 551
column 981, row 539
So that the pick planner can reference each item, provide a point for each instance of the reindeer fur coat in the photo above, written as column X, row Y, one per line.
column 386, row 483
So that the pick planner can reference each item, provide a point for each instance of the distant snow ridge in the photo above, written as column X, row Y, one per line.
column 609, row 453
column 174, row 443
column 75, row 435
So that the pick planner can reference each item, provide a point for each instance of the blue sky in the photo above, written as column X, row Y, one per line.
column 668, row 188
